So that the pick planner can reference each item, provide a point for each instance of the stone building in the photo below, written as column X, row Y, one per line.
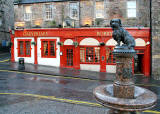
column 80, row 13
column 156, row 38
column 92, row 13
column 6, row 21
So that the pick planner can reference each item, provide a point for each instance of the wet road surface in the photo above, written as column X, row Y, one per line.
column 34, row 93
column 27, row 86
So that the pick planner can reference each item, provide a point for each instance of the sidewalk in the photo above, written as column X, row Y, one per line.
column 50, row 70
column 68, row 72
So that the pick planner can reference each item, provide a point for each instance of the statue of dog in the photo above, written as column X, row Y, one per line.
column 120, row 34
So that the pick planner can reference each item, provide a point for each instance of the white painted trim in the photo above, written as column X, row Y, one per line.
column 90, row 67
column 48, row 61
column 89, row 41
column 111, row 68
column 26, row 59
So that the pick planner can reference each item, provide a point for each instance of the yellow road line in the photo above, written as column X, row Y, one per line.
column 54, row 98
column 66, row 100
column 4, row 61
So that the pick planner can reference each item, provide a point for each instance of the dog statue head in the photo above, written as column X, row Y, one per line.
column 115, row 23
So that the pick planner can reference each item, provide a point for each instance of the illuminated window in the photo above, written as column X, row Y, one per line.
column 24, row 48
column 74, row 10
column 109, row 56
column 131, row 9
column 90, row 54
column 48, row 48
column 27, row 13
column 99, row 10
column 48, row 11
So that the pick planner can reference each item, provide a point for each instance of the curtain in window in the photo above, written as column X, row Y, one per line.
column 27, row 43
column 21, row 48
column 52, row 48
column 45, row 48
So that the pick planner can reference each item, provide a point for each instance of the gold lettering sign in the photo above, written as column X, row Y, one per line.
column 35, row 33
column 104, row 33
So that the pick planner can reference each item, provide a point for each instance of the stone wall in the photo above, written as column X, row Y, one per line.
column 7, row 18
column 112, row 9
column 156, row 38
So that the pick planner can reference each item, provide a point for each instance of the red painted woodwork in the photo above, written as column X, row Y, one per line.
column 35, row 51
column 48, row 46
column 69, row 56
column 78, row 34
column 102, row 59
column 24, row 41
column 12, row 47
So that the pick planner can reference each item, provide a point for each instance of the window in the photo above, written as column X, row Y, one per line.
column 74, row 10
column 99, row 10
column 89, row 54
column 27, row 13
column 24, row 48
column 48, row 11
column 131, row 9
column 48, row 48
column 109, row 56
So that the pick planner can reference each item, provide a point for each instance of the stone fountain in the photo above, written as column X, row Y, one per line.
column 123, row 97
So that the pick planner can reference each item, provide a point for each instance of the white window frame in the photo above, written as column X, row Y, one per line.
column 99, row 13
column 74, row 6
column 27, row 14
column 131, row 9
column 48, row 12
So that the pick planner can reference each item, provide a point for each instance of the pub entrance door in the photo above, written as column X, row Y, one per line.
column 69, row 56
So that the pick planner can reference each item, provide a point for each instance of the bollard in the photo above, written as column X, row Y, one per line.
column 21, row 65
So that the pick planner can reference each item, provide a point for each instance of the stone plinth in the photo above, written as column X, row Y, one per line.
column 122, row 95
column 123, row 86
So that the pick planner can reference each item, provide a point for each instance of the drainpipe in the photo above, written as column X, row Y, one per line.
column 151, row 37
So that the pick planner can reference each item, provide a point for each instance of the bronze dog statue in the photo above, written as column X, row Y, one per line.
column 120, row 34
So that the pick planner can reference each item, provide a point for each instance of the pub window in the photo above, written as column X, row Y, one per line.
column 27, row 13
column 24, row 48
column 131, row 9
column 74, row 10
column 48, row 11
column 99, row 9
column 110, row 59
column 48, row 48
column 90, row 54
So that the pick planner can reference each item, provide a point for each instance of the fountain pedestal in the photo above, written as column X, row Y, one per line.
column 122, row 95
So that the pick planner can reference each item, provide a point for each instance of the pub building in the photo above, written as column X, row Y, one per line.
column 78, row 48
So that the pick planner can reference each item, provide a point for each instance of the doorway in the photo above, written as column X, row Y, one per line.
column 68, row 56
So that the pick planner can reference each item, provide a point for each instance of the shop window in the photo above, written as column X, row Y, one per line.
column 90, row 54
column 131, row 9
column 48, row 11
column 99, row 9
column 24, row 48
column 48, row 48
column 109, row 56
column 27, row 13
column 74, row 10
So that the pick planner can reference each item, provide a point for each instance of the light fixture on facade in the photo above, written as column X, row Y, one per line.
column 19, row 24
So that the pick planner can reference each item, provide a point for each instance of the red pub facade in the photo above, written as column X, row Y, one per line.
column 78, row 48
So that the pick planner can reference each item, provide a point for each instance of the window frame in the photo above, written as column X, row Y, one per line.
column 129, row 8
column 24, row 47
column 42, row 48
column 71, row 12
column 27, row 16
column 93, row 55
column 98, row 11
column 112, row 57
column 48, row 11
